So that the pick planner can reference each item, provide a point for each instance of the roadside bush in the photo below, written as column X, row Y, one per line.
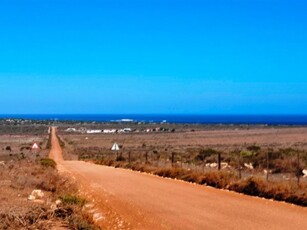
column 252, row 186
column 47, row 162
column 217, row 179
column 120, row 158
column 277, row 191
column 171, row 172
column 72, row 200
column 192, row 177
column 82, row 222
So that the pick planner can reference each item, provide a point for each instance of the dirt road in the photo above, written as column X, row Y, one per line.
column 142, row 201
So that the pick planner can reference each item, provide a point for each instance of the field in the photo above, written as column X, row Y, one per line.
column 187, row 145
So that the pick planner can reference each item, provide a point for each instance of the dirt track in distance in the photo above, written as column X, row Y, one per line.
column 145, row 201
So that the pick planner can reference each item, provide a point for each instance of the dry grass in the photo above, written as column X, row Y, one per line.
column 278, row 191
column 224, row 140
column 16, row 212
column 19, row 176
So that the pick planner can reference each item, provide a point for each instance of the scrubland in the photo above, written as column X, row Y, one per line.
column 23, row 173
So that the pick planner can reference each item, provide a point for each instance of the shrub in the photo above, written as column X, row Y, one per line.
column 192, row 177
column 80, row 223
column 247, row 153
column 72, row 200
column 204, row 153
column 171, row 172
column 47, row 162
column 251, row 186
column 217, row 179
column 253, row 148
column 120, row 158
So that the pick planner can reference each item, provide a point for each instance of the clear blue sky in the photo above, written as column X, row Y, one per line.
column 158, row 56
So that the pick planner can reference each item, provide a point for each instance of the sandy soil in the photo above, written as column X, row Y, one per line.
column 141, row 201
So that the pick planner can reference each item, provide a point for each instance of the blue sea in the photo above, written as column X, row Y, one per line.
column 179, row 118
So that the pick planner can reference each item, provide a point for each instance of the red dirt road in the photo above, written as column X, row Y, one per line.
column 145, row 201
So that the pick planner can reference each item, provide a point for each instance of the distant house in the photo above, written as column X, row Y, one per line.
column 82, row 130
column 91, row 131
column 70, row 130
column 109, row 131
column 125, row 130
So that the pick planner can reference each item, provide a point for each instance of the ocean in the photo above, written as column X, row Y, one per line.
column 170, row 118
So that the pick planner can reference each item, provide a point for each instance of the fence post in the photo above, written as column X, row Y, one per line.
column 219, row 161
column 298, row 172
column 181, row 160
column 267, row 166
column 173, row 158
column 240, row 169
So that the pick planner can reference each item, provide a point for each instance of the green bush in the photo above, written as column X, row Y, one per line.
column 72, row 200
column 47, row 162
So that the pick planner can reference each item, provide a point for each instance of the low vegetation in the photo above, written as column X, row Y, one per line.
column 72, row 200
column 58, row 206
column 62, row 143
column 48, row 145
column 278, row 191
column 47, row 162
